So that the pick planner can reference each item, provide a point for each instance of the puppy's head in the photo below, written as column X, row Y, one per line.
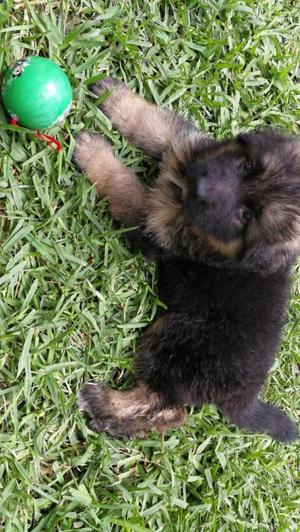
column 236, row 201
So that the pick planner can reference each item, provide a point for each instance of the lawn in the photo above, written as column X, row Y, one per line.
column 74, row 299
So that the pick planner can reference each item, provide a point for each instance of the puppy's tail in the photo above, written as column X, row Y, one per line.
column 263, row 417
column 123, row 414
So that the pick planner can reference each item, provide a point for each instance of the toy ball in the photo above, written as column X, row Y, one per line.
column 36, row 93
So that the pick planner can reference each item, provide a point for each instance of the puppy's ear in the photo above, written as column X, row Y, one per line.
column 265, row 139
column 271, row 258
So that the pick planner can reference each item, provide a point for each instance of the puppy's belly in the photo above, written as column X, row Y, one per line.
column 219, row 333
column 200, row 356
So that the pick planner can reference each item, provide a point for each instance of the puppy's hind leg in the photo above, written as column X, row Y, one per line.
column 123, row 414
column 260, row 417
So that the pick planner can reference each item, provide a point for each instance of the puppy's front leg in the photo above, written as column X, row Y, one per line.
column 127, row 196
column 148, row 126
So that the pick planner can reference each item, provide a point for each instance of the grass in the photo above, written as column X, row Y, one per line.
column 74, row 299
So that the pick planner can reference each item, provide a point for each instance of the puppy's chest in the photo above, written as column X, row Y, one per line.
column 209, row 291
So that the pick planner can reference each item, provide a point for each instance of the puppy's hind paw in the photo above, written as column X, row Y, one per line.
column 94, row 398
column 91, row 397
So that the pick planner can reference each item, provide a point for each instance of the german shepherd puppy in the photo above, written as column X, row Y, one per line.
column 223, row 222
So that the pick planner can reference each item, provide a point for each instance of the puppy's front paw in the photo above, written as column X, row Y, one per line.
column 106, row 84
column 90, row 150
column 115, row 91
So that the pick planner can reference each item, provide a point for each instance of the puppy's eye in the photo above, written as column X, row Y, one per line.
column 176, row 191
column 248, row 168
column 247, row 215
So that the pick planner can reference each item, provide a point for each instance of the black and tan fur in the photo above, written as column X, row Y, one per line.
column 223, row 222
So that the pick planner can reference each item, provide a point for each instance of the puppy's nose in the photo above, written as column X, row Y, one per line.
column 211, row 191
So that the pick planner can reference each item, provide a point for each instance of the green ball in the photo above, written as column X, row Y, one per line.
column 36, row 92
